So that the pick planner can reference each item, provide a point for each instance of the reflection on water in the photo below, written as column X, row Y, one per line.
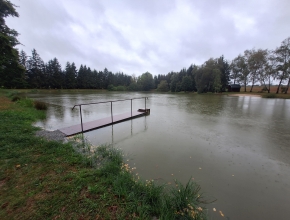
column 236, row 148
column 118, row 132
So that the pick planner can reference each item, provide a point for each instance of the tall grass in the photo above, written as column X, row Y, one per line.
column 26, row 102
column 144, row 199
column 12, row 93
column 39, row 105
column 15, row 96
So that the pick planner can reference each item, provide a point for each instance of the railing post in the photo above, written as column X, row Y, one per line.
column 112, row 117
column 81, row 118
column 112, row 111
column 112, row 135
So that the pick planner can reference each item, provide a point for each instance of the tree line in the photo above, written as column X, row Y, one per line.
column 17, row 70
column 50, row 75
column 212, row 76
column 253, row 66
column 263, row 66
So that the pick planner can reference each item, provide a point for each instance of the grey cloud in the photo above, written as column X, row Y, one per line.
column 158, row 36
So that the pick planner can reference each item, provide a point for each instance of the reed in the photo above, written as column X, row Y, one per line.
column 39, row 105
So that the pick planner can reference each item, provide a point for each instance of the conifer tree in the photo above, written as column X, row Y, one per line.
column 35, row 71
column 54, row 75
column 70, row 75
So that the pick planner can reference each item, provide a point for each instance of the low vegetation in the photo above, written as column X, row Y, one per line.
column 42, row 179
column 269, row 95
column 17, row 96
column 116, row 88
column 259, row 90
column 39, row 105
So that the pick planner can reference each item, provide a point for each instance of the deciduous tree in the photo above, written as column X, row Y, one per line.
column 224, row 68
column 163, row 86
column 186, row 84
column 240, row 64
column 146, row 81
column 283, row 57
column 256, row 61
column 270, row 71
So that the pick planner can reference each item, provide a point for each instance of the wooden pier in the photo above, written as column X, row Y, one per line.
column 92, row 125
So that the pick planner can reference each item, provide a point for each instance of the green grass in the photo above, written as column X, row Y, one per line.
column 12, row 93
column 269, row 95
column 42, row 179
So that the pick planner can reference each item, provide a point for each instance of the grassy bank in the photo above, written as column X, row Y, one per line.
column 42, row 179
column 258, row 90
column 263, row 95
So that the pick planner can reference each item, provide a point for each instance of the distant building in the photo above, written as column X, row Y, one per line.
column 234, row 88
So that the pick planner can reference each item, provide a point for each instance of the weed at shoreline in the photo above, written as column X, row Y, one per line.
column 15, row 96
column 39, row 105
column 144, row 198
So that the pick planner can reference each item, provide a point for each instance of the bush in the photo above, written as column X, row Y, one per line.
column 134, row 87
column 111, row 87
column 118, row 88
column 121, row 88
column 39, row 105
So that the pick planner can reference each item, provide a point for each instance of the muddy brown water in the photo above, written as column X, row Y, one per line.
column 236, row 148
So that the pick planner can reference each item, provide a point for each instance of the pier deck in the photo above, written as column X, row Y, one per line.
column 92, row 125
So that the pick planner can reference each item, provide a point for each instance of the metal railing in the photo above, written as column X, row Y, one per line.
column 95, row 103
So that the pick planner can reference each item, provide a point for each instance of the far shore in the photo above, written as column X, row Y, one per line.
column 256, row 92
column 243, row 94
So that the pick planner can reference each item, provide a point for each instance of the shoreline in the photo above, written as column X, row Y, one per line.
column 242, row 95
column 52, row 135
column 43, row 179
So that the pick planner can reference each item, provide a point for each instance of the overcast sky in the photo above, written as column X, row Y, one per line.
column 159, row 36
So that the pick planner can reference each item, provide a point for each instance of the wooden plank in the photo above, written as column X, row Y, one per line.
column 88, row 126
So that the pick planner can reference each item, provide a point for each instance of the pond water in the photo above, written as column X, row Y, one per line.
column 236, row 148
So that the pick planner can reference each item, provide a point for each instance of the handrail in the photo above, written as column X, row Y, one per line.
column 118, row 100
column 94, row 103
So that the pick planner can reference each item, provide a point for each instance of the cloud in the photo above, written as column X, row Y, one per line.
column 156, row 36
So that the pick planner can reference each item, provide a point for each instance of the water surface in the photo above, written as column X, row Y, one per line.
column 236, row 148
